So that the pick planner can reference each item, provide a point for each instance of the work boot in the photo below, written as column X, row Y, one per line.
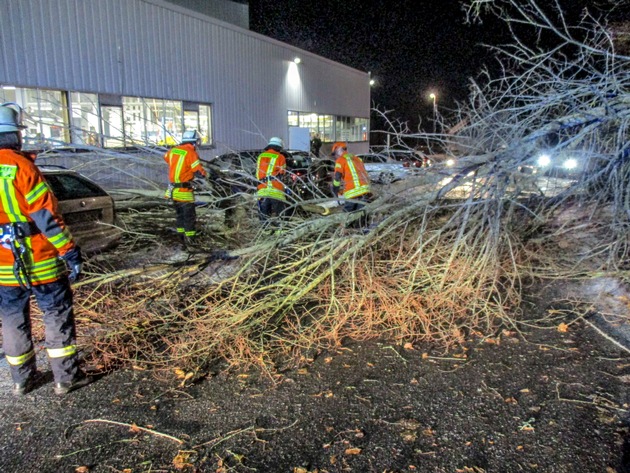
column 78, row 382
column 192, row 245
column 22, row 388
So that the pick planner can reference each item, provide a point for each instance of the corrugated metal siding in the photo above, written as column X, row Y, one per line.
column 143, row 48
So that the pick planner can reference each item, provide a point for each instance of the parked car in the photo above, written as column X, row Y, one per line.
column 383, row 169
column 87, row 208
column 408, row 158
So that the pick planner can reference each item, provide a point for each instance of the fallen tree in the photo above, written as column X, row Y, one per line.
column 448, row 251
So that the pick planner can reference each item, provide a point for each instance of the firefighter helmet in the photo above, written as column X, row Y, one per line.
column 339, row 145
column 191, row 136
column 10, row 118
column 275, row 141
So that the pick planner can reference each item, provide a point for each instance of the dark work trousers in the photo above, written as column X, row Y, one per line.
column 55, row 301
column 271, row 211
column 185, row 218
column 357, row 205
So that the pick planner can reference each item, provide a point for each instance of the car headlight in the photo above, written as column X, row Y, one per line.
column 570, row 163
column 544, row 160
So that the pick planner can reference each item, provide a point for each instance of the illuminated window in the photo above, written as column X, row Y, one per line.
column 293, row 118
column 85, row 124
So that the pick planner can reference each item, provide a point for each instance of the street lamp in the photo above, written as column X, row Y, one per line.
column 433, row 97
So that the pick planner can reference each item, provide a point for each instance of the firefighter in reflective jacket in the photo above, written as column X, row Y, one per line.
column 35, row 247
column 270, row 172
column 184, row 166
column 350, row 174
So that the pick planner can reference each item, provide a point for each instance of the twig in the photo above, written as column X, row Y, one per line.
column 136, row 427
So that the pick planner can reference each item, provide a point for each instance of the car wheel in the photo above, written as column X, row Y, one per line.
column 386, row 178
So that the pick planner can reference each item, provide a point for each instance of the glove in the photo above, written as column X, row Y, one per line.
column 74, row 261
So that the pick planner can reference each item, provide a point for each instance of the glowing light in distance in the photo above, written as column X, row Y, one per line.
column 570, row 163
column 544, row 160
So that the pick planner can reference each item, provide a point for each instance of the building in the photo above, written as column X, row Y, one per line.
column 105, row 76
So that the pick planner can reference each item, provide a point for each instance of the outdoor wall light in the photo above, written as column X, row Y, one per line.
column 297, row 60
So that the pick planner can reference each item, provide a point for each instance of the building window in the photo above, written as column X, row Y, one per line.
column 326, row 128
column 84, row 121
column 44, row 115
column 351, row 129
column 197, row 117
column 293, row 118
column 329, row 127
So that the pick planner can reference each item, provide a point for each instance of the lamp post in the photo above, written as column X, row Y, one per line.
column 433, row 97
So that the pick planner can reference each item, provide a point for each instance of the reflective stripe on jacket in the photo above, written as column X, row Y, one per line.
column 25, row 197
column 270, row 165
column 183, row 162
column 355, row 178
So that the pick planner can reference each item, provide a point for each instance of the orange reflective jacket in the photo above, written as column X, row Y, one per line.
column 350, row 168
column 271, row 164
column 183, row 162
column 26, row 201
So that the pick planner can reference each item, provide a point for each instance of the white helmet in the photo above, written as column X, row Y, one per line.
column 191, row 136
column 275, row 141
column 10, row 117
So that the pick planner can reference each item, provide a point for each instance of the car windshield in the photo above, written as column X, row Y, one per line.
column 70, row 186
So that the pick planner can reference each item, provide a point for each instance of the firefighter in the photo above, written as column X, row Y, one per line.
column 35, row 248
column 184, row 168
column 270, row 172
column 350, row 174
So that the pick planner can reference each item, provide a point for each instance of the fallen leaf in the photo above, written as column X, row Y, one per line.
column 409, row 436
column 563, row 327
column 353, row 451
column 328, row 359
column 414, row 381
column 180, row 373
column 510, row 400
column 408, row 346
column 134, row 428
column 82, row 469
column 425, row 356
column 181, row 460
column 138, row 368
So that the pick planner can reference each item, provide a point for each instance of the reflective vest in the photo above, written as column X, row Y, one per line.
column 271, row 164
column 27, row 202
column 183, row 162
column 355, row 178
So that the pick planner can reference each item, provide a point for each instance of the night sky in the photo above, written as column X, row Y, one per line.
column 411, row 47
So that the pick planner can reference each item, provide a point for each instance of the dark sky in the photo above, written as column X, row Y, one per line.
column 410, row 46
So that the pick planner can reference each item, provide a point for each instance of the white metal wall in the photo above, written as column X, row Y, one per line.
column 151, row 48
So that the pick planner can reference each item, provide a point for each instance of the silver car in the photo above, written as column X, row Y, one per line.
column 383, row 169
column 87, row 209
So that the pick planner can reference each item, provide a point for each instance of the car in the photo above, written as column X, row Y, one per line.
column 86, row 208
column 383, row 169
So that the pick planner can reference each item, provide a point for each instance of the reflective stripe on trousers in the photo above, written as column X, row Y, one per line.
column 55, row 301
